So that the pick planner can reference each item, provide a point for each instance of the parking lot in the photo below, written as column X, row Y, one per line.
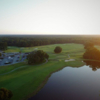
column 12, row 58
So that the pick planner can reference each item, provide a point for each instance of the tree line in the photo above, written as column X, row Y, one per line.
column 3, row 45
column 91, row 52
column 38, row 40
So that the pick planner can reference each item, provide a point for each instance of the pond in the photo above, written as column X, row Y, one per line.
column 72, row 83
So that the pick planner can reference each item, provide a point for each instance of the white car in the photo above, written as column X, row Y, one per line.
column 9, row 57
column 7, row 62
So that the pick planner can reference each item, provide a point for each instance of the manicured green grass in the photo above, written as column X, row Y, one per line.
column 5, row 69
column 25, row 82
column 12, row 49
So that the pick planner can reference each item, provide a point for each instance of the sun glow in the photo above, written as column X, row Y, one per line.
column 51, row 17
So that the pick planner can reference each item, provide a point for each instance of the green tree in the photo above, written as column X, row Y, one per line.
column 36, row 57
column 3, row 45
column 58, row 49
column 88, row 45
column 92, row 53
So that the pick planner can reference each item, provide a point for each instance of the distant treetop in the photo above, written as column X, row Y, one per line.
column 58, row 49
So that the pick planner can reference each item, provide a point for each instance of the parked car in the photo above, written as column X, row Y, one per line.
column 1, row 58
column 17, row 60
column 23, row 56
column 7, row 62
column 11, row 60
column 17, row 53
column 12, row 55
column 18, row 57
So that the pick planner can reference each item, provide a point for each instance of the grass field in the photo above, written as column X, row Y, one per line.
column 28, row 80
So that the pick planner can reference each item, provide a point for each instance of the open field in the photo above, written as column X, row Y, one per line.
column 26, row 81
column 71, row 48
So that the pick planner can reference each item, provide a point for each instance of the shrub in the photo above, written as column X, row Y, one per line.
column 57, row 49
column 5, row 94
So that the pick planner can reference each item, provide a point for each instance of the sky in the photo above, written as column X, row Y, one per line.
column 59, row 17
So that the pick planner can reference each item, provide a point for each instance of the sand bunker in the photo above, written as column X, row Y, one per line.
column 35, row 48
column 70, row 60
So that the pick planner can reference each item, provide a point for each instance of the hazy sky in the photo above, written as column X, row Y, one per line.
column 50, row 17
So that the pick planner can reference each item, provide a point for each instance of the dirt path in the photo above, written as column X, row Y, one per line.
column 68, row 56
column 69, row 59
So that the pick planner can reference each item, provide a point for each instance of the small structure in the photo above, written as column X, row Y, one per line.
column 70, row 60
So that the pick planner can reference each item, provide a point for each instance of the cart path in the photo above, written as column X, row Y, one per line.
column 21, row 67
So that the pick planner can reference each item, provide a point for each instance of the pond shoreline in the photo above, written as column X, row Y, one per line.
column 45, row 81
column 70, row 83
column 42, row 84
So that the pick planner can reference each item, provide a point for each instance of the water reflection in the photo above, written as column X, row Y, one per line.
column 93, row 64
column 72, row 84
